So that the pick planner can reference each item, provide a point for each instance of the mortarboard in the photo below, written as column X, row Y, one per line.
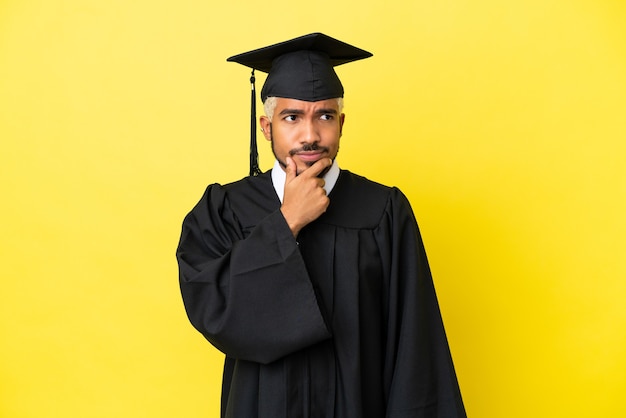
column 301, row 68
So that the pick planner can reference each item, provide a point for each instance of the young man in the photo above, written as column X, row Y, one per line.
column 312, row 280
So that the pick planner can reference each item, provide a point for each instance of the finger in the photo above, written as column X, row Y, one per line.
column 290, row 170
column 318, row 167
column 320, row 183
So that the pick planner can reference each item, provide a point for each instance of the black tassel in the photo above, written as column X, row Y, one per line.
column 254, row 153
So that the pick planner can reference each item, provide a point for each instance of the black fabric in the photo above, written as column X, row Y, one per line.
column 342, row 323
column 302, row 68
column 302, row 75
column 339, row 52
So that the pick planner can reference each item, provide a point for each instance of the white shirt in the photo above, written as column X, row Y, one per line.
column 279, row 175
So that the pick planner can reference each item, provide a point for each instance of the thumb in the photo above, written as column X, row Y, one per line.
column 290, row 170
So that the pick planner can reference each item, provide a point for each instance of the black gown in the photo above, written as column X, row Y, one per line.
column 343, row 323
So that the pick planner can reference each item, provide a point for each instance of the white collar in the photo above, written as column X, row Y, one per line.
column 278, row 178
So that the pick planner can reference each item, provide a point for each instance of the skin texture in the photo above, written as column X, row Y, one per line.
column 305, row 141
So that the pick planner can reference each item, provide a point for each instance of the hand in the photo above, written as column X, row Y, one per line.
column 304, row 199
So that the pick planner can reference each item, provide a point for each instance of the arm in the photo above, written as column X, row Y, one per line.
column 419, row 372
column 250, row 297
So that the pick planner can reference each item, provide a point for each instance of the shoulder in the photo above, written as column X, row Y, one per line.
column 250, row 199
column 239, row 197
column 246, row 189
column 249, row 183
column 359, row 202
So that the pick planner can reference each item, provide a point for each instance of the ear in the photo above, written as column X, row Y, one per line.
column 342, row 119
column 266, row 127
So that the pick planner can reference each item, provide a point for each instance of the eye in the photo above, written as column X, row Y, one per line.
column 290, row 118
column 326, row 116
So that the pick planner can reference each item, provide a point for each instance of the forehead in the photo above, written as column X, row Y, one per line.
column 283, row 103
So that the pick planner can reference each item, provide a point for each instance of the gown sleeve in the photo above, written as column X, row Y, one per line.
column 420, row 376
column 250, row 296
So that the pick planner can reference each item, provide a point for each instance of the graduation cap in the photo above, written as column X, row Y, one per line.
column 301, row 68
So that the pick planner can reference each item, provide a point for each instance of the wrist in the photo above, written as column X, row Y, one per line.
column 293, row 225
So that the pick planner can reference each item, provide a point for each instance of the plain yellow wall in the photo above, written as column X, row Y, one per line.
column 504, row 122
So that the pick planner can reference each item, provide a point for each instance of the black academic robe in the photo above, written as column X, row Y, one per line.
column 342, row 322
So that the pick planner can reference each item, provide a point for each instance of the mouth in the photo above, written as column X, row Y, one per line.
column 309, row 153
column 309, row 156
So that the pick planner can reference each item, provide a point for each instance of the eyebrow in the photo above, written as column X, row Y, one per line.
column 301, row 112
column 291, row 112
column 326, row 111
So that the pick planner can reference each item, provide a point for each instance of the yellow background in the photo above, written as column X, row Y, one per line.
column 504, row 122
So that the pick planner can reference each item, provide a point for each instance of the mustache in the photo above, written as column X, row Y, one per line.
column 308, row 147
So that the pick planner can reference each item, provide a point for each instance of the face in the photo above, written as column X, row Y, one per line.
column 304, row 131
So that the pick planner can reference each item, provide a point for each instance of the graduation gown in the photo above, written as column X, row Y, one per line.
column 342, row 322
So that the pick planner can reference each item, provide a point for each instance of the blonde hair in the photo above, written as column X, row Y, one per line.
column 270, row 105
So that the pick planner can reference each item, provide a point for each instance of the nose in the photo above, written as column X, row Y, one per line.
column 310, row 134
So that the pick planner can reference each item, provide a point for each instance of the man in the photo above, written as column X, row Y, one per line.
column 313, row 280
